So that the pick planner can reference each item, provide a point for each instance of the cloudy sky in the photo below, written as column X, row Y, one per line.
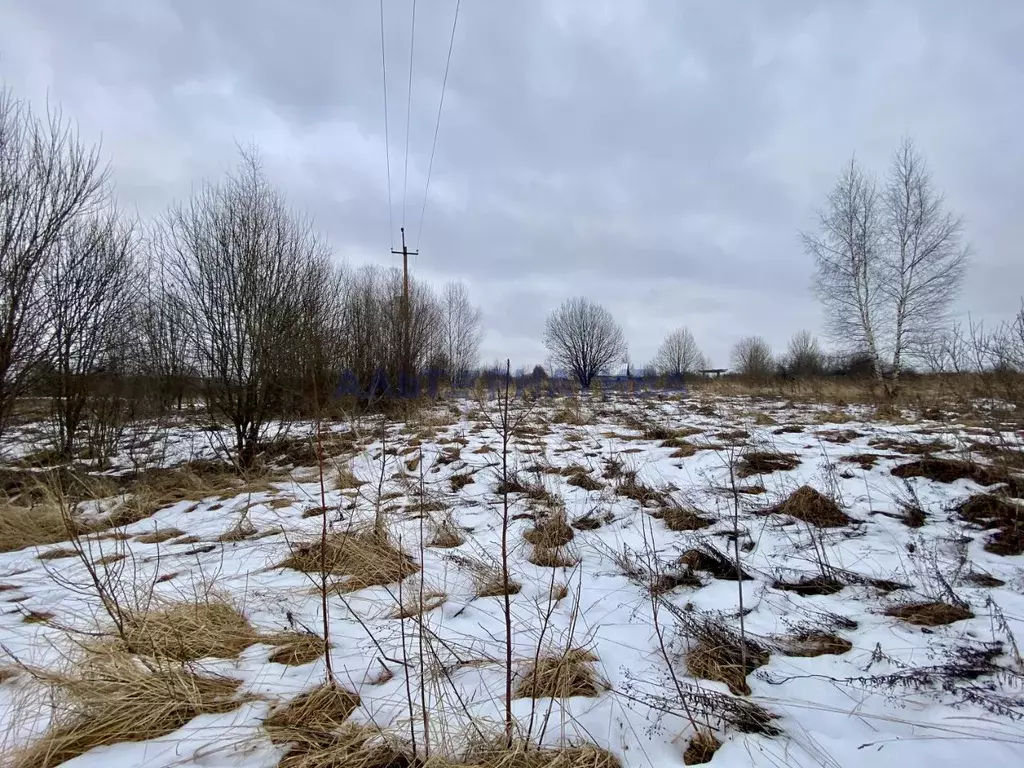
column 659, row 157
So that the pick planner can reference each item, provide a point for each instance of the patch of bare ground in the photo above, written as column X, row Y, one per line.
column 809, row 644
column 950, row 470
column 701, row 748
column 710, row 560
column 811, row 506
column 562, row 676
column 364, row 559
column 680, row 518
column 929, row 614
column 909, row 447
column 811, row 585
column 765, row 462
column 111, row 698
column 993, row 511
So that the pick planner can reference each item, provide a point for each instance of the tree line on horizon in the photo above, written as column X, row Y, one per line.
column 231, row 296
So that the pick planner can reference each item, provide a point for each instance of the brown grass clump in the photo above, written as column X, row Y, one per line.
column 490, row 584
column 413, row 605
column 710, row 560
column 37, row 617
column 521, row 755
column 812, row 507
column 992, row 511
column 765, row 462
column 931, row 614
column 551, row 531
column 840, row 436
column 718, row 656
column 811, row 585
column 460, row 481
column 865, row 460
column 58, row 554
column 592, row 520
column 684, row 450
column 582, row 479
column 187, row 631
column 295, row 648
column 809, row 644
column 446, row 535
column 560, row 677
column 362, row 557
column 111, row 698
column 950, row 470
column 240, row 531
column 34, row 526
column 983, row 580
column 315, row 725
column 552, row 557
column 159, row 536
column 631, row 488
column 679, row 518
column 701, row 749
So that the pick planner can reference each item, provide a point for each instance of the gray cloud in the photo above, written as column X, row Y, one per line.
column 659, row 157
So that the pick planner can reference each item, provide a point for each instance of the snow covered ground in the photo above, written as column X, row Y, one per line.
column 658, row 493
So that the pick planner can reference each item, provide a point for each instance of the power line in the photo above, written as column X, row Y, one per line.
column 408, row 112
column 387, row 144
column 437, row 125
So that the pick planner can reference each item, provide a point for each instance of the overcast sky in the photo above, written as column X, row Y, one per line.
column 658, row 157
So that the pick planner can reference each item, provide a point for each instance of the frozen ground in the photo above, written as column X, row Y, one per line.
column 623, row 471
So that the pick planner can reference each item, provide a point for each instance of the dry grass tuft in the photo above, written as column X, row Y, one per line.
column 951, row 470
column 993, row 511
column 59, row 553
column 865, row 460
column 679, row 518
column 592, row 520
column 240, row 531
column 720, row 653
column 812, row 507
column 582, row 479
column 460, row 481
column 551, row 531
column 765, row 462
column 530, row 756
column 631, row 488
column 552, row 557
column 34, row 526
column 808, row 644
column 701, row 749
column 840, row 436
column 362, row 557
column 314, row 724
column 295, row 648
column 110, row 698
column 159, row 536
column 984, row 580
column 189, row 631
column 446, row 535
column 711, row 560
column 931, row 614
column 560, row 677
column 811, row 585
column 413, row 605
column 37, row 617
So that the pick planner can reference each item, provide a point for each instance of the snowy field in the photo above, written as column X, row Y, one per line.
column 794, row 584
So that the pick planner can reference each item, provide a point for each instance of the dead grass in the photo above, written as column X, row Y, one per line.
column 446, row 535
column 993, row 511
column 413, row 605
column 718, row 655
column 929, row 614
column 678, row 518
column 240, row 531
column 361, row 557
column 592, row 520
column 582, row 479
column 34, row 526
column 37, row 617
column 865, row 460
column 189, row 631
column 530, row 756
column 294, row 648
column 839, row 436
column 765, row 462
column 811, row 507
column 460, row 481
column 951, row 470
column 560, row 677
column 59, row 553
column 315, row 726
column 710, row 560
column 701, row 749
column 552, row 530
column 552, row 557
column 159, row 536
column 631, row 488
column 811, row 585
column 810, row 644
column 110, row 698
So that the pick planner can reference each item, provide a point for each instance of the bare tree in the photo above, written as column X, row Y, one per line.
column 89, row 292
column 804, row 357
column 48, row 178
column 679, row 354
column 888, row 265
column 583, row 338
column 241, row 263
column 752, row 357
column 165, row 334
column 461, row 332
column 847, row 254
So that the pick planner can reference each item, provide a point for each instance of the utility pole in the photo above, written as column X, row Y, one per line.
column 406, row 373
